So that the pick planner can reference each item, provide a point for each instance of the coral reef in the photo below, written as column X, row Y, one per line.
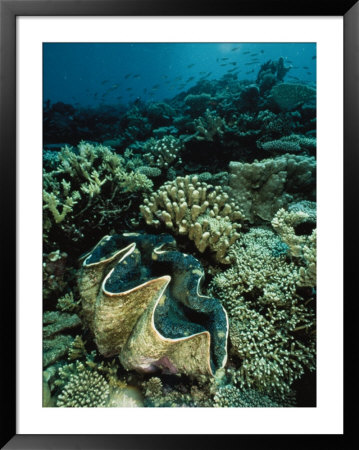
column 88, row 190
column 84, row 390
column 227, row 165
column 263, row 187
column 199, row 210
column 288, row 144
column 146, row 320
column 163, row 153
column 53, row 270
column 55, row 343
column 266, row 314
column 209, row 126
column 288, row 95
column 292, row 227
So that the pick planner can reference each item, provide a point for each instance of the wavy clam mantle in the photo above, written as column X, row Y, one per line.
column 141, row 299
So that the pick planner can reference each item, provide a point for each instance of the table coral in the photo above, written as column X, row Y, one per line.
column 152, row 323
column 197, row 209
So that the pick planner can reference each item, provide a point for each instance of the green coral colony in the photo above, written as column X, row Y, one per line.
column 179, row 264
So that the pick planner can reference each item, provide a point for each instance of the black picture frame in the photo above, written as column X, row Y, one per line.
column 9, row 10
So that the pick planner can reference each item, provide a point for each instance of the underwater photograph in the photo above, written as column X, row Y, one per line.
column 179, row 225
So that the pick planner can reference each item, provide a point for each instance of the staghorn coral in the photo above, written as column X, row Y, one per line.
column 302, row 246
column 163, row 153
column 199, row 210
column 91, row 185
column 135, row 316
column 288, row 95
column 263, row 187
column 270, row 325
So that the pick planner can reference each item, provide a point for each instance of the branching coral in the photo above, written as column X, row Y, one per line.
column 231, row 396
column 266, row 315
column 262, row 187
column 163, row 153
column 67, row 303
column 301, row 246
column 85, row 389
column 91, row 184
column 199, row 210
column 209, row 126
column 56, row 335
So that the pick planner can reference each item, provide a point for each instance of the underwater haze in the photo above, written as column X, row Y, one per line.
column 94, row 74
column 179, row 225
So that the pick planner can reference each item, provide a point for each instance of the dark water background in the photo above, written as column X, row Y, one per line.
column 95, row 74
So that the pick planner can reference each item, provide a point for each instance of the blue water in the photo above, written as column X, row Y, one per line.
column 94, row 74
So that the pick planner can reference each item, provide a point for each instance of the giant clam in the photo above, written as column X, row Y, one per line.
column 141, row 300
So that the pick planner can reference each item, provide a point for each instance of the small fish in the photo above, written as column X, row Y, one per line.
column 190, row 79
column 233, row 63
column 262, row 51
column 314, row 57
column 309, row 73
column 305, row 67
column 223, row 64
column 250, row 63
column 190, row 65
column 127, row 75
column 231, row 70
column 224, row 59
column 104, row 81
column 155, row 86
column 253, row 54
column 246, row 53
column 137, row 75
column 202, row 73
column 234, row 49
column 129, row 89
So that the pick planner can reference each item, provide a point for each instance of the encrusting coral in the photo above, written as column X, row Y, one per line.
column 271, row 325
column 197, row 209
column 150, row 321
column 288, row 95
column 263, row 187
